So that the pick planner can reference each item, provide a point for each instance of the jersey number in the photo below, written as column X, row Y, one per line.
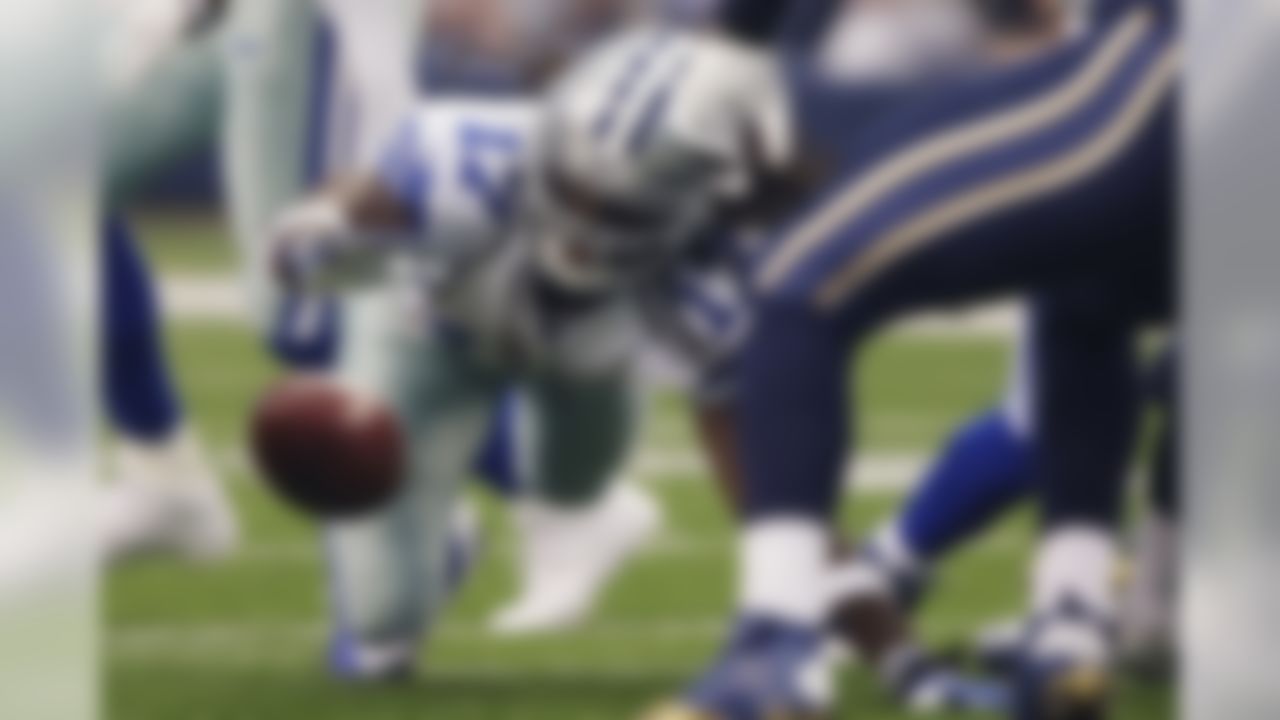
column 487, row 167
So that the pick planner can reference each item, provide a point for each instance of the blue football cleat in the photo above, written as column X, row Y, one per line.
column 1064, row 674
column 926, row 686
column 771, row 670
column 353, row 660
column 1061, row 690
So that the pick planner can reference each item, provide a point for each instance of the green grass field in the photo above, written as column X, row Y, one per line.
column 244, row 640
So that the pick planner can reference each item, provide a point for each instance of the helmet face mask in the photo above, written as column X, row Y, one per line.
column 590, row 239
column 617, row 194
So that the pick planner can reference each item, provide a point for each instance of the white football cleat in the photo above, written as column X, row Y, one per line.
column 168, row 501
column 568, row 556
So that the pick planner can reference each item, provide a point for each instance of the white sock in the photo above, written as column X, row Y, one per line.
column 1076, row 561
column 784, row 566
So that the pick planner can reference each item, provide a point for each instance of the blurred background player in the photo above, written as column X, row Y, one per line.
column 161, row 92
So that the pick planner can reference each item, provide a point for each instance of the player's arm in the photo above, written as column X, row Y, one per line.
column 701, row 319
column 341, row 235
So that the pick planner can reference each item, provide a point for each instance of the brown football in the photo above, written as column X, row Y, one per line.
column 326, row 449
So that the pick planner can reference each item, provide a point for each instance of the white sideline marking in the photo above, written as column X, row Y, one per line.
column 278, row 643
column 874, row 473
column 275, row 643
column 673, row 545
column 217, row 297
column 269, row 631
column 203, row 297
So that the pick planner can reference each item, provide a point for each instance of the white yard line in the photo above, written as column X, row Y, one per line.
column 269, row 631
column 203, row 297
column 279, row 643
column 221, row 298
column 672, row 546
column 873, row 473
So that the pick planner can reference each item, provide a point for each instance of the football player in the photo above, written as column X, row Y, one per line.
column 314, row 90
column 1054, row 177
column 987, row 466
column 161, row 87
column 471, row 306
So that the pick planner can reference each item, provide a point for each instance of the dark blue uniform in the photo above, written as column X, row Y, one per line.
column 138, row 389
column 1055, row 178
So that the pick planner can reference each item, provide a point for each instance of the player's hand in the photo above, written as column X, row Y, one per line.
column 308, row 240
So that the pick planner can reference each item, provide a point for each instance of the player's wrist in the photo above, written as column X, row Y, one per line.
column 307, row 240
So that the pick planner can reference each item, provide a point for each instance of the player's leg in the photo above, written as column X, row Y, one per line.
column 389, row 573
column 1088, row 416
column 985, row 468
column 313, row 90
column 276, row 78
column 580, row 522
column 169, row 499
column 1011, row 181
column 503, row 463
column 1149, row 611
column 139, row 392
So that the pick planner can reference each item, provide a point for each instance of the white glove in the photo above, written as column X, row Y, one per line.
column 309, row 243
column 733, row 103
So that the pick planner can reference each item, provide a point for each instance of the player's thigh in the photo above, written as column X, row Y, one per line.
column 1017, row 180
column 390, row 566
column 442, row 397
column 584, row 430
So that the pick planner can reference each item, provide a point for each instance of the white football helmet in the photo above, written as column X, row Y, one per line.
column 645, row 140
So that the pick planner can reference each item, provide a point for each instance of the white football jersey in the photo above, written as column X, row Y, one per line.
column 464, row 167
